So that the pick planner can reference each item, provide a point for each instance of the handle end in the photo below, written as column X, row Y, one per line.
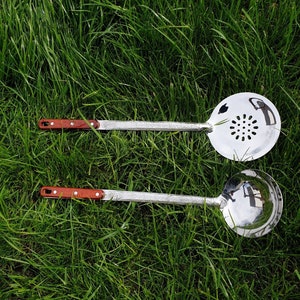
column 71, row 193
column 48, row 124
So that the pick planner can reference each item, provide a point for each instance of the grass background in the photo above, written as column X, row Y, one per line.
column 144, row 60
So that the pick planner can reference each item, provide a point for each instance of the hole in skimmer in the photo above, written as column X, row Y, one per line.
column 243, row 127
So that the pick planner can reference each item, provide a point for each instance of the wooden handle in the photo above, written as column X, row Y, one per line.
column 71, row 193
column 47, row 124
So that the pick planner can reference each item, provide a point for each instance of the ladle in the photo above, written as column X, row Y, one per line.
column 251, row 201
column 242, row 127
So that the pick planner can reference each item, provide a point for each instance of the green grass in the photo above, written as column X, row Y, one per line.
column 144, row 60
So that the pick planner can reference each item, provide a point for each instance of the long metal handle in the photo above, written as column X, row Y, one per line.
column 151, row 126
column 114, row 195
column 47, row 124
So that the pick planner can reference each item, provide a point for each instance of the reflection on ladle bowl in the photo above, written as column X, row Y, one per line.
column 253, row 204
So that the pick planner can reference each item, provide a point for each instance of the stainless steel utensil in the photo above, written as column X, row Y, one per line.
column 242, row 127
column 251, row 201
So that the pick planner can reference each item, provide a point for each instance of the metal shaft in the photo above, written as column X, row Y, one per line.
column 114, row 195
column 151, row 126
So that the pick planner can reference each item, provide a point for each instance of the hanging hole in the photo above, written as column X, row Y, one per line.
column 250, row 117
column 237, row 137
column 233, row 133
column 233, row 121
column 231, row 127
column 255, row 127
column 238, row 117
column 253, row 132
column 249, row 137
column 243, row 138
column 244, row 116
column 47, row 191
column 254, row 121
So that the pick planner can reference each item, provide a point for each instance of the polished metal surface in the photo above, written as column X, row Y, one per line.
column 245, row 126
column 253, row 203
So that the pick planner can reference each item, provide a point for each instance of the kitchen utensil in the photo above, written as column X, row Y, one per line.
column 251, row 201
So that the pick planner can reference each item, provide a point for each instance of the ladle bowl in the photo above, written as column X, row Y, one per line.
column 251, row 201
column 242, row 127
